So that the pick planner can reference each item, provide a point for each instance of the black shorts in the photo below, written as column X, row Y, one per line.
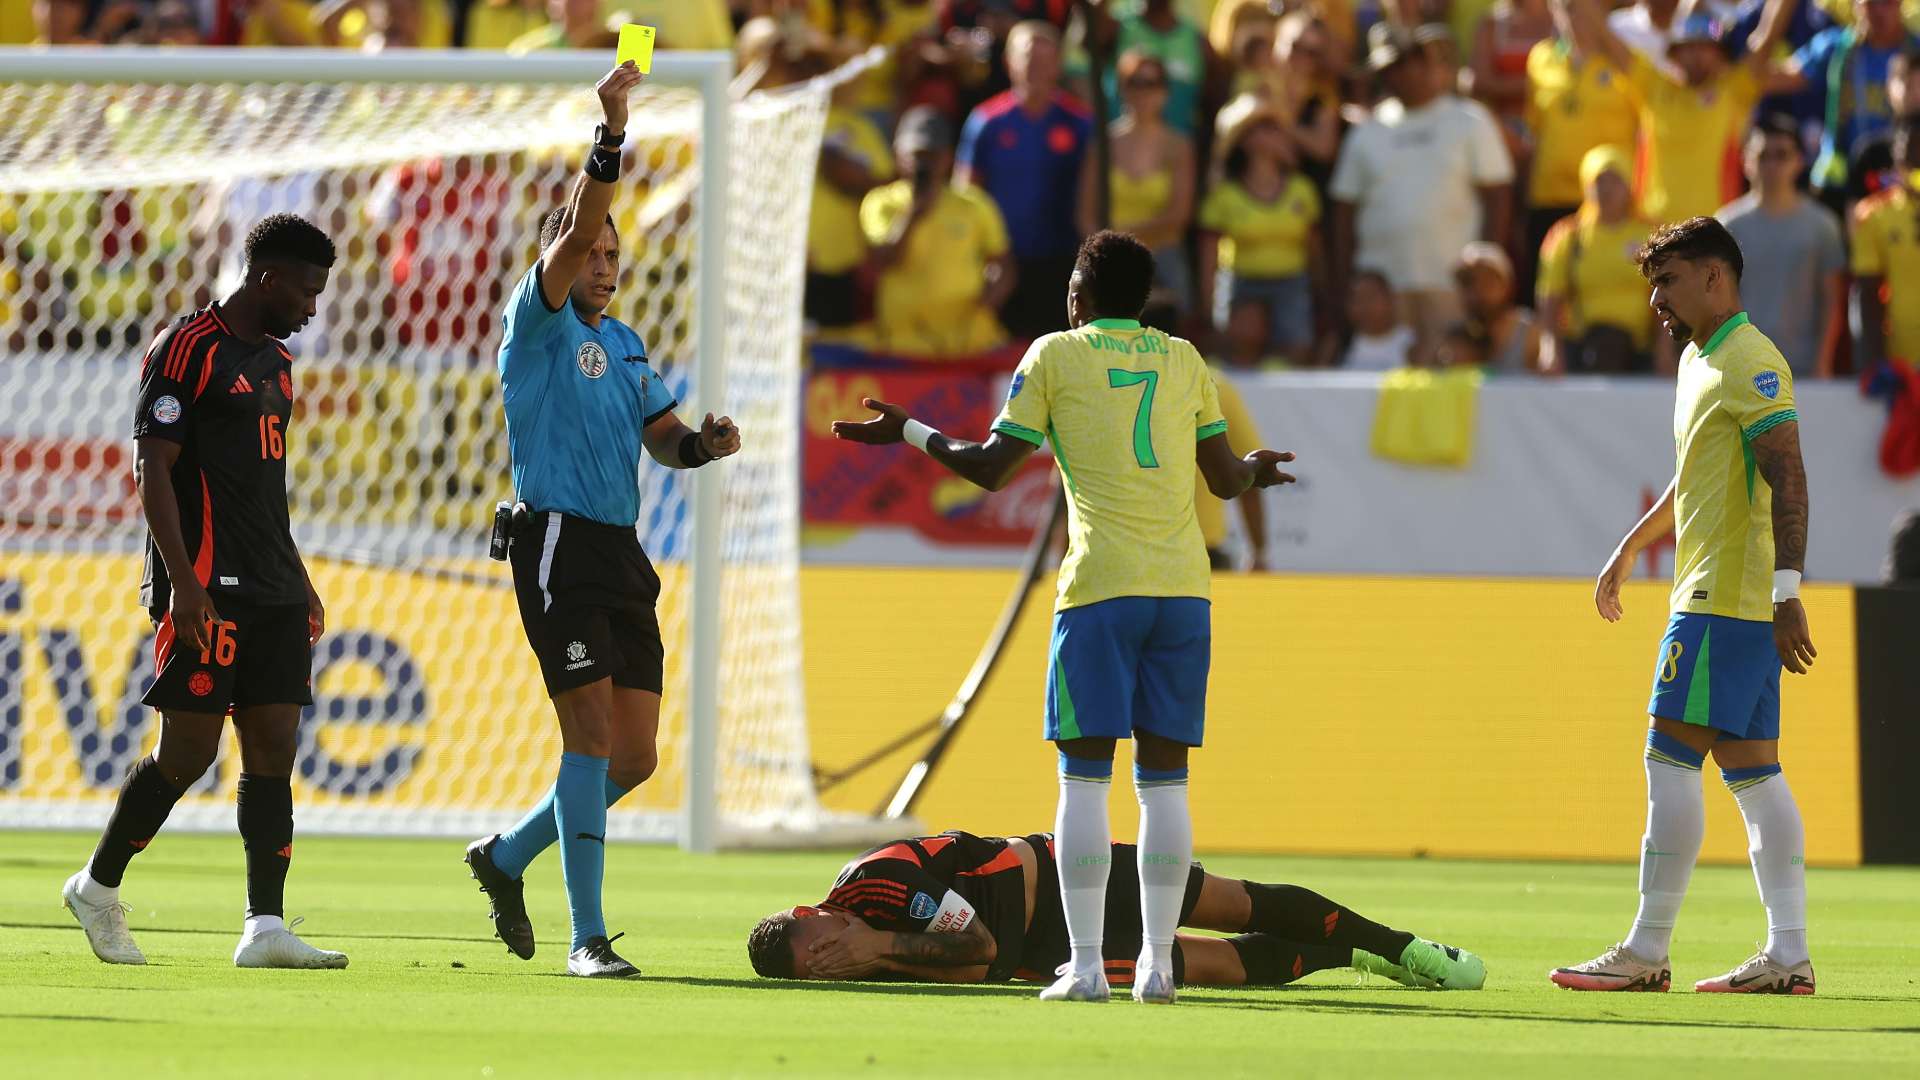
column 587, row 595
column 1046, row 946
column 259, row 656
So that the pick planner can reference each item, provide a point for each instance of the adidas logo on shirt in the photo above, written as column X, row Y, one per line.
column 241, row 386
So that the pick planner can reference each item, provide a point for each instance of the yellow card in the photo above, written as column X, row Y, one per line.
column 636, row 44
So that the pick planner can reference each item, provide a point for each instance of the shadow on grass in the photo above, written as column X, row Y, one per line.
column 911, row 989
column 77, row 1019
column 230, row 932
column 1388, row 1008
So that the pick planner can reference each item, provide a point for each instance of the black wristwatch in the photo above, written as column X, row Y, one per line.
column 608, row 139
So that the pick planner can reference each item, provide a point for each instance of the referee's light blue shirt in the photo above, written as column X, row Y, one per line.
column 577, row 400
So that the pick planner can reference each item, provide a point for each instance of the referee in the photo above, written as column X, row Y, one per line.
column 581, row 401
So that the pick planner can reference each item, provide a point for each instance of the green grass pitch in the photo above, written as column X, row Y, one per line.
column 431, row 994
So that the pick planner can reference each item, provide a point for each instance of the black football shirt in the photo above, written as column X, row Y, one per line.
column 227, row 402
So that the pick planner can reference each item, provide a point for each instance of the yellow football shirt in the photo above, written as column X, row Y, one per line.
column 1592, row 269
column 835, row 244
column 1244, row 437
column 1124, row 407
column 1262, row 239
column 1886, row 244
column 1571, row 110
column 928, row 303
column 1690, row 140
column 1729, row 393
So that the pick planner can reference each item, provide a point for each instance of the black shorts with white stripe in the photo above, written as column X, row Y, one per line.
column 587, row 594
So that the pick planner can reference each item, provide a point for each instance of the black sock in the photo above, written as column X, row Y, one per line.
column 144, row 803
column 1272, row 961
column 1298, row 914
column 266, row 828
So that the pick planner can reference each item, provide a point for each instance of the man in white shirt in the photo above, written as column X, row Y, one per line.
column 1415, row 184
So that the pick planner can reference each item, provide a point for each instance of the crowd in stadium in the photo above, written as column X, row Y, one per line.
column 1327, row 183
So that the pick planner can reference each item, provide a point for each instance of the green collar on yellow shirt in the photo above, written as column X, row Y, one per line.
column 1115, row 324
column 1720, row 335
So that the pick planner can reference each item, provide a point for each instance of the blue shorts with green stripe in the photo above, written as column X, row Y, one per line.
column 1720, row 673
column 1130, row 664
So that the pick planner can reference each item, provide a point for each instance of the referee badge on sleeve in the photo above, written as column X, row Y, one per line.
column 593, row 360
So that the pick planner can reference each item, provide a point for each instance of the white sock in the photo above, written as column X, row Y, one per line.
column 1083, row 848
column 1676, row 823
column 260, row 924
column 1166, row 859
column 1776, row 844
column 95, row 893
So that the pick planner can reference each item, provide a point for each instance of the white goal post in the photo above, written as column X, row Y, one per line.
column 127, row 179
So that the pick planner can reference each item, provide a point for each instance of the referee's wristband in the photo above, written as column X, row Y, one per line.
column 1786, row 585
column 693, row 453
column 603, row 165
column 917, row 434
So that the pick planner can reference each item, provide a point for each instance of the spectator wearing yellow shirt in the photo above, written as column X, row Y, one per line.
column 1243, row 435
column 1592, row 300
column 1150, row 181
column 1258, row 237
column 595, row 24
column 940, row 251
column 1576, row 101
column 573, row 24
column 497, row 24
column 1886, row 258
column 854, row 157
column 369, row 25
column 16, row 22
column 1692, row 121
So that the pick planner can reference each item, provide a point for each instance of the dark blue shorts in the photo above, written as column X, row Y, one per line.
column 1133, row 663
column 1720, row 673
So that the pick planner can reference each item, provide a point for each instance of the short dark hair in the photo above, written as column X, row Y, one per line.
column 1116, row 273
column 1367, row 273
column 552, row 221
column 1694, row 238
column 770, row 946
column 1780, row 124
column 288, row 238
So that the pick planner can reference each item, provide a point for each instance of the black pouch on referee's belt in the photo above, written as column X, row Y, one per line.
column 507, row 517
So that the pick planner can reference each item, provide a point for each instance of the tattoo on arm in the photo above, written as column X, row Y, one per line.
column 1777, row 454
column 975, row 945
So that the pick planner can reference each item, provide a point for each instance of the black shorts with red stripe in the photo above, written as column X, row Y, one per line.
column 1047, row 947
column 257, row 656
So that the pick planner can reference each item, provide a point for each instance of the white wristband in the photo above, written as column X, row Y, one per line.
column 1786, row 585
column 918, row 433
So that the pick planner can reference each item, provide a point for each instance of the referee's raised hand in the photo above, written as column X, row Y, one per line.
column 613, row 89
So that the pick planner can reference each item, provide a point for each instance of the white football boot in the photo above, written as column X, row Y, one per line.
column 105, row 924
column 1078, row 986
column 1761, row 974
column 279, row 947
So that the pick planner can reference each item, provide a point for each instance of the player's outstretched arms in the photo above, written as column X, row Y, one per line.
column 592, row 193
column 991, row 465
column 1776, row 453
column 1229, row 477
column 860, row 950
column 193, row 614
column 675, row 445
column 1587, row 19
column 1654, row 524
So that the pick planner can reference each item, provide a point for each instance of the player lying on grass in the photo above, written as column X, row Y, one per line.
column 963, row 908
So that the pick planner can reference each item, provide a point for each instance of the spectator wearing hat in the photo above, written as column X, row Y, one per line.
column 1886, row 259
column 1024, row 148
column 1149, row 177
column 1576, row 101
column 1694, row 118
column 1591, row 297
column 1260, row 244
column 1796, row 258
column 939, row 249
column 1646, row 27
column 1426, row 174
column 1503, row 334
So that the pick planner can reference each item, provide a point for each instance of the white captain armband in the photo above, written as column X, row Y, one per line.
column 954, row 915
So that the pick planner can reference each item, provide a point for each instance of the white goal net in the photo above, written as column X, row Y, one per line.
column 124, row 204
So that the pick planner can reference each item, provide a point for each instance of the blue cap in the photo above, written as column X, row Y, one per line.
column 1698, row 27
